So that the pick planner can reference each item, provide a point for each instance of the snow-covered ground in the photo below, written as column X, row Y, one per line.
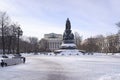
column 82, row 67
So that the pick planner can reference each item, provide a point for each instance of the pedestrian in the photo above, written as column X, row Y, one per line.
column 24, row 59
column 2, row 63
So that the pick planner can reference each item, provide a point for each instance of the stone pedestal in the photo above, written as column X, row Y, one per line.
column 68, row 46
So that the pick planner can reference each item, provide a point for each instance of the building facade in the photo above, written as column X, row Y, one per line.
column 54, row 41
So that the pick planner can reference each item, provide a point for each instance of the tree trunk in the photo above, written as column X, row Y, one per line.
column 3, row 39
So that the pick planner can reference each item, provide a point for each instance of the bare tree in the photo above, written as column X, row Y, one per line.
column 113, row 41
column 78, row 40
column 118, row 25
column 100, row 42
column 10, row 33
column 8, row 40
column 13, row 36
column 19, row 33
column 25, row 46
column 4, row 22
column 43, row 45
column 34, row 44
column 90, row 45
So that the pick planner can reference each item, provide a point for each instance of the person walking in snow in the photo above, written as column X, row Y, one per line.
column 24, row 59
column 2, row 63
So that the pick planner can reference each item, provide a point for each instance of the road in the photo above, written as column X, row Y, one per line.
column 64, row 68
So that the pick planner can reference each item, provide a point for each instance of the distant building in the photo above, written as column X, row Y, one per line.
column 53, row 41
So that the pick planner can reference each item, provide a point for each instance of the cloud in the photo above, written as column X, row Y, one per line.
column 88, row 17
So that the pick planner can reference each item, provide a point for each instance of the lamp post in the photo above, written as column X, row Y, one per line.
column 19, row 33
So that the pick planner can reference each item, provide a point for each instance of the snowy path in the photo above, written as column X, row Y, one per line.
column 64, row 68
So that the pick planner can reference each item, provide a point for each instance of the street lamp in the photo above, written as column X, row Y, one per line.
column 19, row 33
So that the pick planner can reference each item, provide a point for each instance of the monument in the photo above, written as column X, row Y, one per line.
column 68, row 37
column 68, row 46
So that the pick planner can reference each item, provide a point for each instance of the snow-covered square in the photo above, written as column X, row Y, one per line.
column 82, row 67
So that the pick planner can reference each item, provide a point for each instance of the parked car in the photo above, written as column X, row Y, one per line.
column 10, row 61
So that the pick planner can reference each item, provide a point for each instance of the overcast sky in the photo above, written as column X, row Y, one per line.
column 88, row 17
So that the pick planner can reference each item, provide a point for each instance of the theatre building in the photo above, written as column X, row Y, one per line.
column 53, row 41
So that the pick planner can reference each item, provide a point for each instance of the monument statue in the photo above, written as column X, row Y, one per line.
column 68, row 24
column 68, row 36
column 68, row 46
